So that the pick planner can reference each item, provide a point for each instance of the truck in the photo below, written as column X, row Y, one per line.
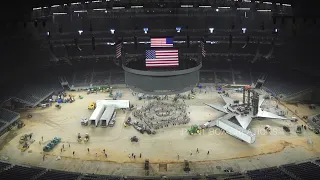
column 194, row 129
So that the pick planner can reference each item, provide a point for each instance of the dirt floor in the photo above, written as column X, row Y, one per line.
column 169, row 146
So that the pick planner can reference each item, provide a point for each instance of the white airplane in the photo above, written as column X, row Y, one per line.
column 244, row 120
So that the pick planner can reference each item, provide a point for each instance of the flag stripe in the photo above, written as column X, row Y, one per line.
column 119, row 50
column 161, row 42
column 203, row 51
column 161, row 58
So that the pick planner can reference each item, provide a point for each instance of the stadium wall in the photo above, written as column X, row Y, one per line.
column 162, row 82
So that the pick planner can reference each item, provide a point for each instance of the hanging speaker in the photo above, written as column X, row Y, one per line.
column 93, row 43
column 60, row 28
column 76, row 41
column 262, row 26
column 135, row 42
column 230, row 41
column 188, row 41
column 274, row 19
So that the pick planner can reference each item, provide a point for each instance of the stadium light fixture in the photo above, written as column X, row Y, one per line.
column 39, row 8
column 112, row 31
column 178, row 29
column 211, row 30
column 217, row 10
column 276, row 30
column 80, row 32
column 244, row 30
column 48, row 33
column 145, row 30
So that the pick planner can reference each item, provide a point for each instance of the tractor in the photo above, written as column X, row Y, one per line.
column 134, row 139
column 24, row 147
column 92, row 106
column 128, row 122
column 79, row 138
column 86, row 137
column 20, row 124
column 298, row 131
column 194, row 129
column 25, row 138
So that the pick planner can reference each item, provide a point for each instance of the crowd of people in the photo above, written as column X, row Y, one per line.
column 158, row 114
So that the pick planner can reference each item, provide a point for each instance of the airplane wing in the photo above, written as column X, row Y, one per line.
column 266, row 114
column 261, row 100
column 217, row 107
column 227, row 100
column 244, row 121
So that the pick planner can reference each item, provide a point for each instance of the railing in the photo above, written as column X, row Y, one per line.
column 290, row 97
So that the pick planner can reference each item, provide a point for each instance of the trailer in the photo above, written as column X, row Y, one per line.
column 96, row 115
column 113, row 119
column 107, row 116
column 124, row 104
column 237, row 131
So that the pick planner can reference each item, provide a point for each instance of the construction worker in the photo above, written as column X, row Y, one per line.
column 88, row 150
column 73, row 153
column 208, row 153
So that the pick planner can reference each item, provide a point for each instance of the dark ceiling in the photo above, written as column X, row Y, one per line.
column 29, row 52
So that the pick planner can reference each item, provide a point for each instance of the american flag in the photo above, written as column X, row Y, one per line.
column 161, row 42
column 119, row 49
column 162, row 58
column 203, row 50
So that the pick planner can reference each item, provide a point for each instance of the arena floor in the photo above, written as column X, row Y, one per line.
column 271, row 149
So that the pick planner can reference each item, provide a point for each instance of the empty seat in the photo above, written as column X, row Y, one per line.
column 99, row 177
column 54, row 175
column 7, row 115
column 20, row 172
column 268, row 174
column 4, row 165
column 305, row 170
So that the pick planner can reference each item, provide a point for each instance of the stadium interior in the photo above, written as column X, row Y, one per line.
column 160, row 89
